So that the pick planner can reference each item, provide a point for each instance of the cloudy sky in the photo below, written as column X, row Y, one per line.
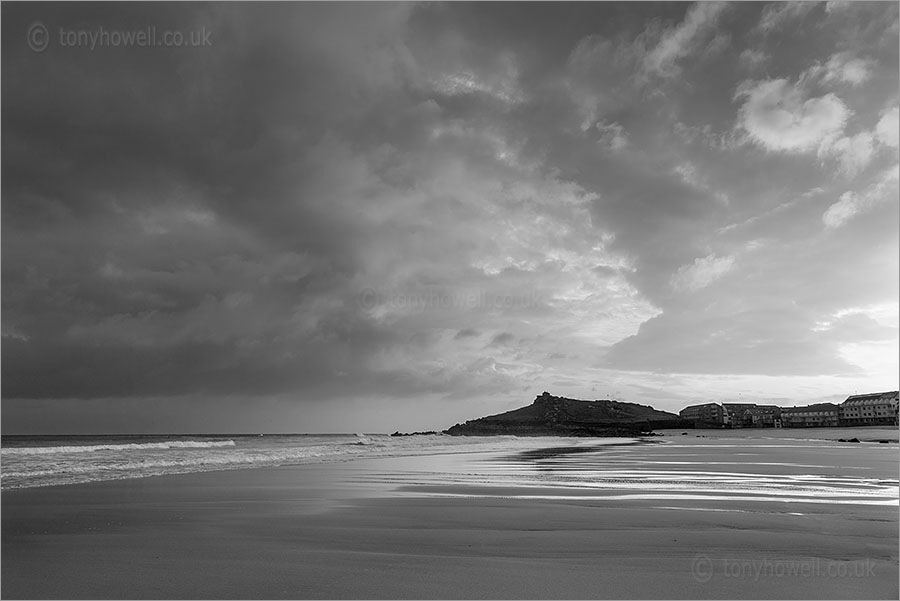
column 369, row 217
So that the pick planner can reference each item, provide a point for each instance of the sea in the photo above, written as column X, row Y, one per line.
column 788, row 463
column 29, row 461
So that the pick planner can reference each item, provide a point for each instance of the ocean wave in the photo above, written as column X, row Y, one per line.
column 135, row 446
column 26, row 467
column 116, row 468
column 362, row 439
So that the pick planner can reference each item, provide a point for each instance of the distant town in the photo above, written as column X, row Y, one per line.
column 875, row 409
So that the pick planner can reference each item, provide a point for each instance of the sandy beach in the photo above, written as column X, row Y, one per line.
column 472, row 526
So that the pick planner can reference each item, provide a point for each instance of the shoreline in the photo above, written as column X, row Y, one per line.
column 337, row 454
column 12, row 479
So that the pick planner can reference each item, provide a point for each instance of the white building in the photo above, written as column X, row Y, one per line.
column 871, row 409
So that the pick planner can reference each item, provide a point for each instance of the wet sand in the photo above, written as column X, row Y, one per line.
column 467, row 526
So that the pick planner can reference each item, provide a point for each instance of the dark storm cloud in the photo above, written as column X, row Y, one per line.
column 466, row 333
column 502, row 339
column 157, row 233
column 206, row 221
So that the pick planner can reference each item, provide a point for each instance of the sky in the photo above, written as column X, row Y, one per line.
column 373, row 217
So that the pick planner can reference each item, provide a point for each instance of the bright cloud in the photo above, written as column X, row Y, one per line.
column 702, row 272
column 888, row 128
column 844, row 69
column 853, row 153
column 777, row 15
column 680, row 41
column 852, row 203
column 503, row 89
column 780, row 117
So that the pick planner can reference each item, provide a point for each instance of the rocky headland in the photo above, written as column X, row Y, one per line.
column 550, row 415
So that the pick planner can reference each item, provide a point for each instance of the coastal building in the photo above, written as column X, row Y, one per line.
column 873, row 409
column 813, row 416
column 768, row 416
column 879, row 408
column 738, row 414
column 707, row 414
column 751, row 415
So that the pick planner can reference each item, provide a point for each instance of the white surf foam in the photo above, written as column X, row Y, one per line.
column 132, row 446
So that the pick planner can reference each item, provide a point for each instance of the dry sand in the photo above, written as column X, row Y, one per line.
column 346, row 531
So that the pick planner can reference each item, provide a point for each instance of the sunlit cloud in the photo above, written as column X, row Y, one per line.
column 778, row 115
column 702, row 272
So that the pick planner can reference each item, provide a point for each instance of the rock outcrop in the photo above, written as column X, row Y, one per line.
column 558, row 416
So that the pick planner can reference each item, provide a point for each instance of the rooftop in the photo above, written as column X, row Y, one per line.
column 816, row 407
column 872, row 397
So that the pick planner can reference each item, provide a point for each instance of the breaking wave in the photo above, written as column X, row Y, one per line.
column 132, row 446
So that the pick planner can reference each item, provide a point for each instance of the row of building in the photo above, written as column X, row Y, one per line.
column 876, row 409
